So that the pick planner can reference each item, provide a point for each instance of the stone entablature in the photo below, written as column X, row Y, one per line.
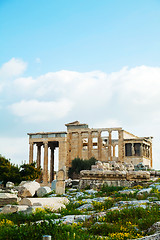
column 90, row 178
column 105, row 144
column 115, row 175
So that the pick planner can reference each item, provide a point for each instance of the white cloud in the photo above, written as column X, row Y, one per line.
column 15, row 149
column 40, row 111
column 140, row 84
column 128, row 98
column 12, row 68
column 108, row 122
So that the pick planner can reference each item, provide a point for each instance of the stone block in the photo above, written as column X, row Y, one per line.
column 8, row 198
column 28, row 189
column 9, row 185
column 54, row 203
column 42, row 191
column 53, row 185
column 13, row 208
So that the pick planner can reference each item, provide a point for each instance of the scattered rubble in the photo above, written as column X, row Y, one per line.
column 28, row 189
column 8, row 198
column 54, row 203
column 42, row 191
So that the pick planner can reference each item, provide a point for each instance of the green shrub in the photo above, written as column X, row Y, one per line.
column 15, row 174
column 108, row 190
column 80, row 164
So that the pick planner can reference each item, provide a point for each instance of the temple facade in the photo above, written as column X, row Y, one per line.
column 105, row 144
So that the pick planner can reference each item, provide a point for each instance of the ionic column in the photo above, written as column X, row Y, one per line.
column 89, row 145
column 110, row 146
column 148, row 151
column 31, row 153
column 114, row 152
column 99, row 146
column 141, row 150
column 133, row 153
column 38, row 156
column 151, row 154
column 69, row 160
column 52, row 165
column 79, row 145
column 45, row 167
column 120, row 146
column 144, row 149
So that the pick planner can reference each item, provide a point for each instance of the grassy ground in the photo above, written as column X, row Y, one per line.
column 128, row 223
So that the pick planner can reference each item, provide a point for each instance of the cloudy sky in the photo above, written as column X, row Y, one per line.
column 64, row 60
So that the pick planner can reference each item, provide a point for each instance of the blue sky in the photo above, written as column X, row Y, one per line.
column 93, row 61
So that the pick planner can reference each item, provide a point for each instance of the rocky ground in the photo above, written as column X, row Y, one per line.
column 137, row 209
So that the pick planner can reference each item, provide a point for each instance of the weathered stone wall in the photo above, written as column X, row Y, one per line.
column 96, row 178
column 97, row 183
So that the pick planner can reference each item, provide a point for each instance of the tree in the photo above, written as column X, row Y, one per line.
column 13, row 173
column 80, row 164
column 29, row 172
column 8, row 171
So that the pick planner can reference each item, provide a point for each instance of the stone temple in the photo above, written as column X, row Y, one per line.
column 105, row 144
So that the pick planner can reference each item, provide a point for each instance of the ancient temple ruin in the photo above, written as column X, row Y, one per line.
column 105, row 144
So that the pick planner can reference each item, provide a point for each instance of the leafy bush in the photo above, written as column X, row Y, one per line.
column 13, row 173
column 110, row 189
column 80, row 164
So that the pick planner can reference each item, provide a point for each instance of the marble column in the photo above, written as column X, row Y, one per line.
column 89, row 145
column 38, row 155
column 141, row 150
column 45, row 167
column 151, row 155
column 110, row 146
column 31, row 153
column 133, row 152
column 80, row 145
column 114, row 150
column 120, row 146
column 69, row 145
column 52, row 165
column 99, row 146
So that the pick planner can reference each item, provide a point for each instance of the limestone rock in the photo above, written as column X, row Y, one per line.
column 85, row 207
column 54, row 203
column 13, row 208
column 42, row 191
column 144, row 191
column 7, row 198
column 68, row 182
column 70, row 219
column 32, row 209
column 138, row 175
column 155, row 227
column 53, row 185
column 155, row 185
column 28, row 189
column 9, row 185
column 127, row 191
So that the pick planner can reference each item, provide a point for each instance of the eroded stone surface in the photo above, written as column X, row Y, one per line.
column 13, row 208
column 7, row 198
column 28, row 189
column 42, row 191
column 54, row 203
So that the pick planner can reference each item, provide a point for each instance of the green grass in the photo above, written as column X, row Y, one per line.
column 127, row 223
